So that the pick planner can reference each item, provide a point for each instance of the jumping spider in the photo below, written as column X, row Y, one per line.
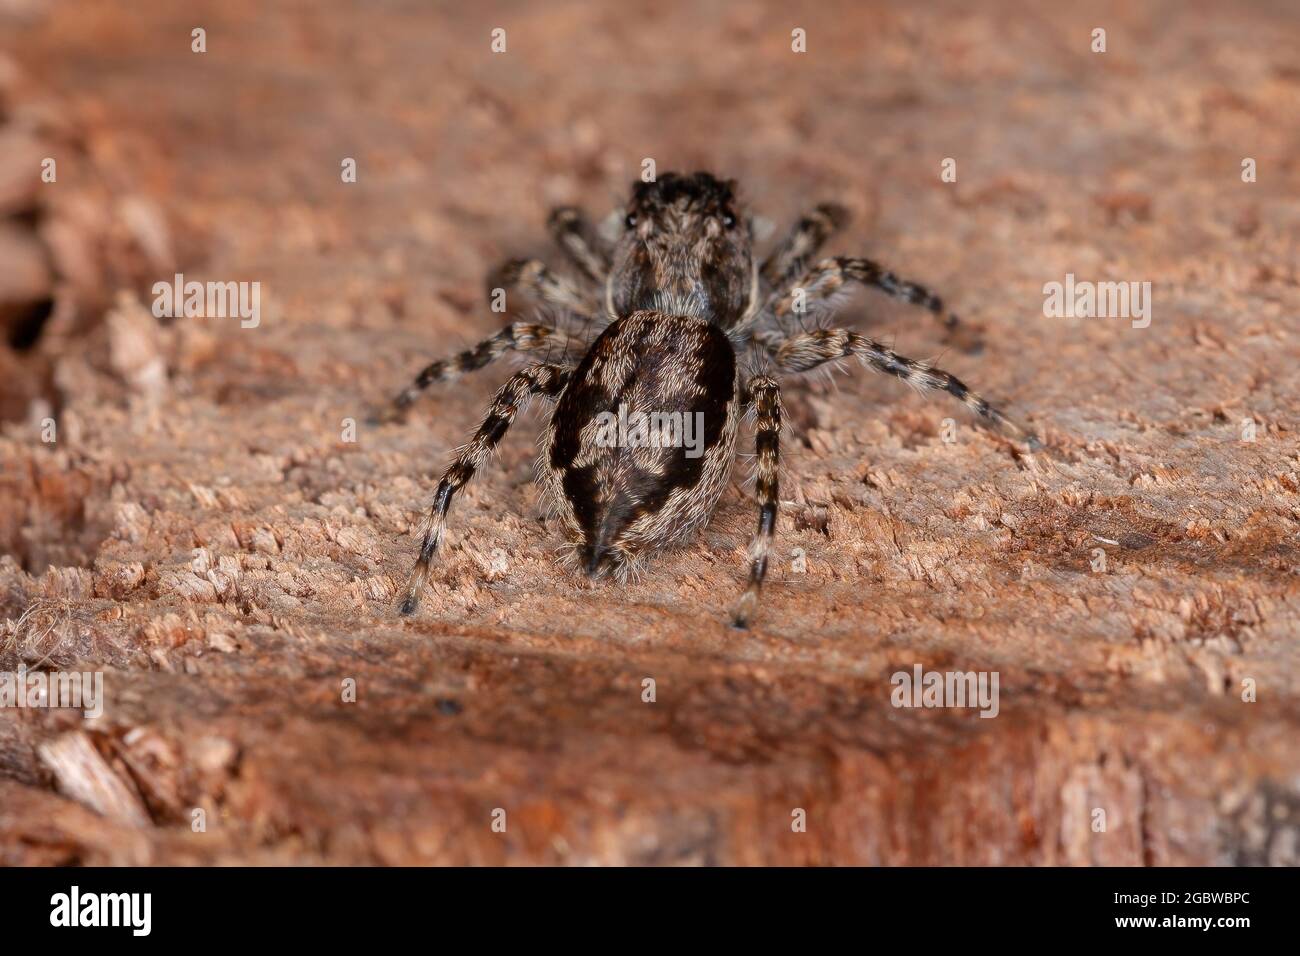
column 684, row 304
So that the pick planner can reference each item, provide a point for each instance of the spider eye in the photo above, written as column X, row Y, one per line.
column 728, row 220
column 630, row 221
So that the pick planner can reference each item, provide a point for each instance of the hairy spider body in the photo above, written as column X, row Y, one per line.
column 620, row 501
column 686, row 305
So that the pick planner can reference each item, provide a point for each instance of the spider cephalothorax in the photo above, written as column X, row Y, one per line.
column 638, row 447
column 685, row 251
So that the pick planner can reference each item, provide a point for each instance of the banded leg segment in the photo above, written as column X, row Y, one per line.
column 808, row 350
column 547, row 287
column 831, row 275
column 573, row 235
column 548, row 380
column 518, row 337
column 765, row 397
column 789, row 260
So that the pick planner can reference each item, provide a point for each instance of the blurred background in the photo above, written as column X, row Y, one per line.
column 182, row 503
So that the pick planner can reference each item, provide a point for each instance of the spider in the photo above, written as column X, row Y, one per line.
column 691, row 325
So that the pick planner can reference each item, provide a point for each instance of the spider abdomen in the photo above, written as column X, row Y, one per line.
column 641, row 440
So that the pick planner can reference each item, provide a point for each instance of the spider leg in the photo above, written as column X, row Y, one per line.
column 519, row 336
column 547, row 287
column 547, row 380
column 788, row 261
column 765, row 398
column 829, row 276
column 573, row 235
column 808, row 350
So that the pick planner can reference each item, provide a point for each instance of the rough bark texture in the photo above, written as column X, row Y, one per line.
column 201, row 531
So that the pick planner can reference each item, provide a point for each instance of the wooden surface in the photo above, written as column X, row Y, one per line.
column 201, row 532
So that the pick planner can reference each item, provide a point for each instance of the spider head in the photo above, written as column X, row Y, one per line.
column 685, row 250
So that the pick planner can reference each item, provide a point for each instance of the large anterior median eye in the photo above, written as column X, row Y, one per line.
column 630, row 221
column 728, row 220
